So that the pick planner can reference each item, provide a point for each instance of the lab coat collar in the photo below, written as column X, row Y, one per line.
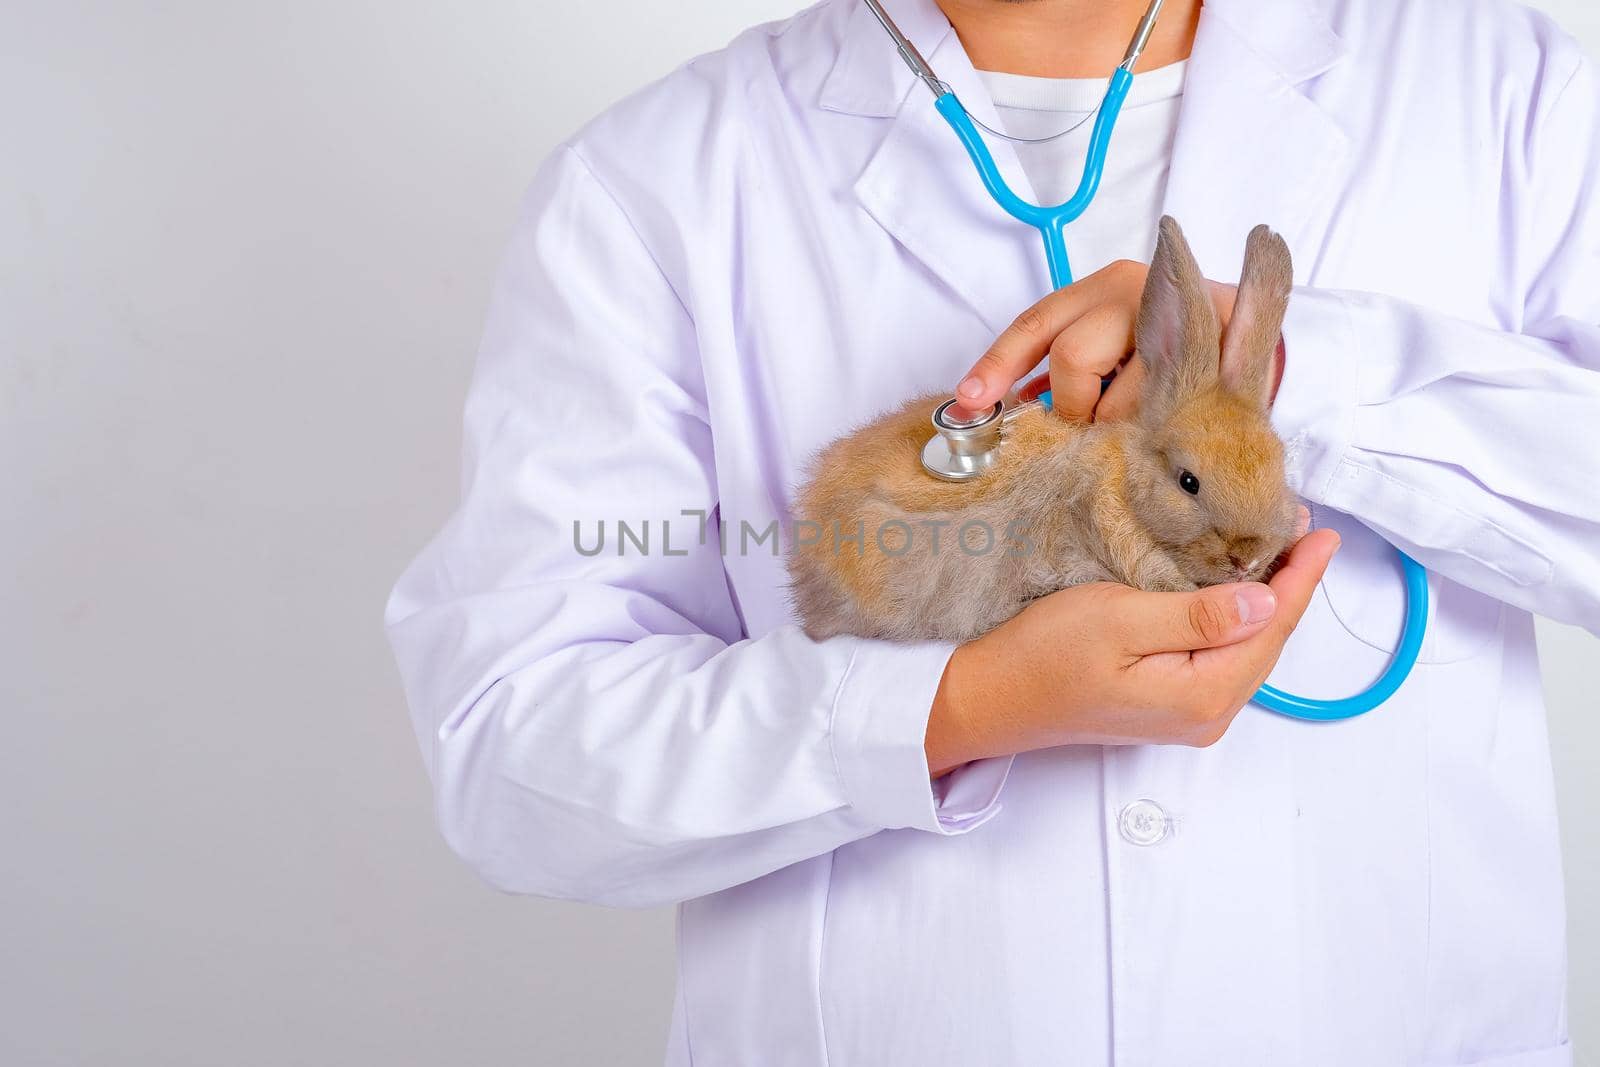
column 868, row 78
column 1292, row 37
column 919, row 185
column 1251, row 147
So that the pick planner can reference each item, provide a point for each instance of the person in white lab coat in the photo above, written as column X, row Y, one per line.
column 778, row 241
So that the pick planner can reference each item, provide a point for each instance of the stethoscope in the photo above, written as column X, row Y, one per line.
column 964, row 448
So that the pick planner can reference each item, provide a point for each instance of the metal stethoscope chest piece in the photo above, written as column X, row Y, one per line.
column 963, row 448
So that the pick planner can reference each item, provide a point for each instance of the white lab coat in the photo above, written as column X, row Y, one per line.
column 780, row 240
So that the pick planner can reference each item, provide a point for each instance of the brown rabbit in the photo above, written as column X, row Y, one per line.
column 1191, row 492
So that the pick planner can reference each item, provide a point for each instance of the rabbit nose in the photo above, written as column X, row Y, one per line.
column 1244, row 555
column 1243, row 551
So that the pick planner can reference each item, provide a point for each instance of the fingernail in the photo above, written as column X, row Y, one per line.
column 1256, row 603
column 971, row 388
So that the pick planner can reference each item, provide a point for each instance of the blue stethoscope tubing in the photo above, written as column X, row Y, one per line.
column 1051, row 222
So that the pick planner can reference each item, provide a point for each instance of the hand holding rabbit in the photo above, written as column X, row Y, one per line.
column 1087, row 331
column 1107, row 665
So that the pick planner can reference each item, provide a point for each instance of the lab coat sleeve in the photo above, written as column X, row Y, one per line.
column 1473, row 449
column 595, row 724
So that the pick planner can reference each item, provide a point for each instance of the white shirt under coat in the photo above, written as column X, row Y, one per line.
column 1051, row 120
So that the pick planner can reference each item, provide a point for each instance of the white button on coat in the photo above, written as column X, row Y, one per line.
column 1143, row 822
column 782, row 240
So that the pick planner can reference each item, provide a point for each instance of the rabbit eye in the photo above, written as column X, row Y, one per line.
column 1189, row 483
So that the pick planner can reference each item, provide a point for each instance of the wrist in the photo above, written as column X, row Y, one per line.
column 947, row 743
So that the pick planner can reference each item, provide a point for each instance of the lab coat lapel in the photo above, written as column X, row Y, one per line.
column 919, row 185
column 1251, row 147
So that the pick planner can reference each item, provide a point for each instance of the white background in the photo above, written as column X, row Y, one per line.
column 244, row 256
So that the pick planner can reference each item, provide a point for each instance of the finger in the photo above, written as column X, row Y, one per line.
column 1223, row 297
column 1023, row 344
column 1084, row 353
column 1296, row 581
column 1034, row 387
column 1121, row 399
column 1293, row 585
column 1207, row 618
column 1020, row 347
column 1302, row 523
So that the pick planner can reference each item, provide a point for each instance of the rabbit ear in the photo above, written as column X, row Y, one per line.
column 1177, row 332
column 1251, row 343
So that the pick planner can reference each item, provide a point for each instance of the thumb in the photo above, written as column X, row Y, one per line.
column 1183, row 622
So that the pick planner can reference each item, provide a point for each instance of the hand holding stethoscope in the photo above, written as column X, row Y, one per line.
column 1086, row 331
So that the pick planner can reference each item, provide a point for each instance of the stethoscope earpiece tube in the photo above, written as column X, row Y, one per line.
column 1051, row 222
